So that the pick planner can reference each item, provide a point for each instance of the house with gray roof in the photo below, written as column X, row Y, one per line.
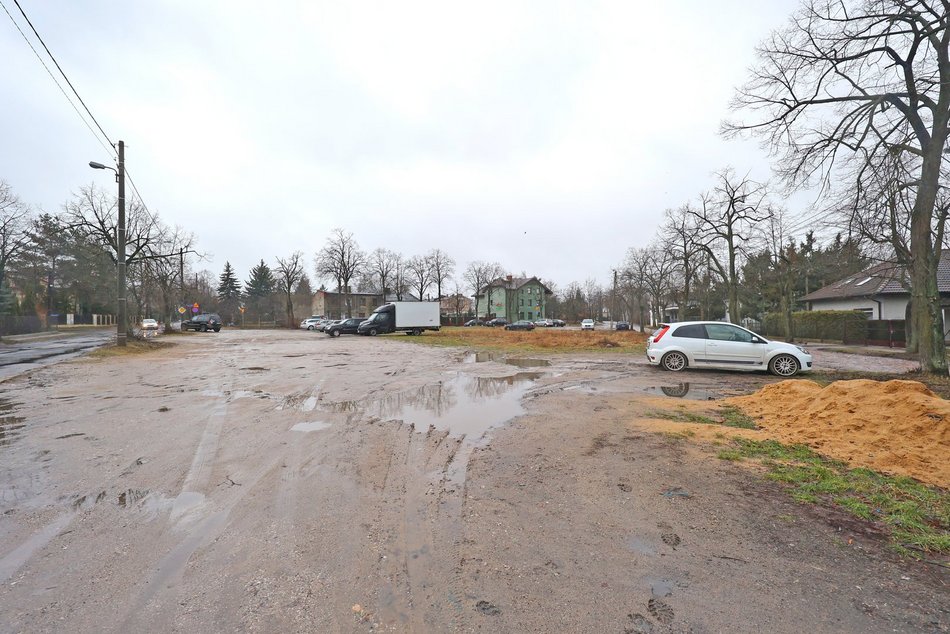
column 882, row 292
column 513, row 298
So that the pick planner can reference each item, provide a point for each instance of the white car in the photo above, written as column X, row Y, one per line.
column 310, row 323
column 149, row 324
column 716, row 344
column 587, row 324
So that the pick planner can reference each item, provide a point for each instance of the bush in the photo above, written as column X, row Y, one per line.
column 837, row 325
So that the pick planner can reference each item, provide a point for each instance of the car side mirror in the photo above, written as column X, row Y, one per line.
column 757, row 340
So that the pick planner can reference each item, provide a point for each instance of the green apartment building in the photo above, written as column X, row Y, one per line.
column 513, row 298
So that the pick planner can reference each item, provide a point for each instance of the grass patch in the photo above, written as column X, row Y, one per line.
column 727, row 415
column 917, row 516
column 547, row 340
column 133, row 346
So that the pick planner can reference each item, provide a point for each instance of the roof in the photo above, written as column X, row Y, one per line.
column 887, row 278
column 514, row 283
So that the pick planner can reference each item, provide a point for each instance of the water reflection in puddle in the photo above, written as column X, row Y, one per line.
column 464, row 405
column 519, row 362
column 314, row 426
column 10, row 425
column 685, row 390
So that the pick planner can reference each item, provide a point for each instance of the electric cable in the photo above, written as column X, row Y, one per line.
column 52, row 57
column 58, row 85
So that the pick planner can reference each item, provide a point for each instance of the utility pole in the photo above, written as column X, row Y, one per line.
column 121, row 328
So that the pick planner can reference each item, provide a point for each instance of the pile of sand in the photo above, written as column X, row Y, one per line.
column 897, row 427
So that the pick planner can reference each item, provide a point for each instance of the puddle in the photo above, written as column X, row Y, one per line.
column 314, row 426
column 464, row 405
column 687, row 391
column 519, row 362
column 638, row 545
column 661, row 588
column 10, row 425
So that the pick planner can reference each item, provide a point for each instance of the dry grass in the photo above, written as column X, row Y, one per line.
column 133, row 346
column 539, row 339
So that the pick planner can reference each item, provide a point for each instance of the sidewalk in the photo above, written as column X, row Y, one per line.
column 61, row 332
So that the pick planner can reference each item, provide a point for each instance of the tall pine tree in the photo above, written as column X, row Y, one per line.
column 229, row 293
column 259, row 289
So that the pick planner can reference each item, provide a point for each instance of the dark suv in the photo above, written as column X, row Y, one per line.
column 203, row 322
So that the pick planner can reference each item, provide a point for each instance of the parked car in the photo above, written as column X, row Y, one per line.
column 623, row 325
column 344, row 327
column 587, row 324
column 149, row 324
column 497, row 321
column 203, row 322
column 716, row 344
column 474, row 322
column 559, row 323
column 544, row 323
column 310, row 323
column 522, row 324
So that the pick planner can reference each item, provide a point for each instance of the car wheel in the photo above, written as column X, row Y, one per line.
column 673, row 361
column 204, row 328
column 372, row 332
column 334, row 333
column 218, row 329
column 784, row 365
column 309, row 327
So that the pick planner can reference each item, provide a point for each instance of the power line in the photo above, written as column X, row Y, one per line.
column 52, row 57
column 58, row 85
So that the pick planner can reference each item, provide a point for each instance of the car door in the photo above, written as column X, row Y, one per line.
column 692, row 339
column 732, row 346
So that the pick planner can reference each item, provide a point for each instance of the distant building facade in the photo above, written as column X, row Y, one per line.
column 334, row 305
column 513, row 298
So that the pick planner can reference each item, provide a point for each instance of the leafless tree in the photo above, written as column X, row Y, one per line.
column 95, row 214
column 443, row 267
column 726, row 222
column 679, row 235
column 341, row 259
column 14, row 227
column 289, row 273
column 848, row 84
column 381, row 267
column 478, row 275
column 420, row 272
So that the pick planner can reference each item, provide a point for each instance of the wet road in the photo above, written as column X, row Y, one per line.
column 287, row 481
column 19, row 355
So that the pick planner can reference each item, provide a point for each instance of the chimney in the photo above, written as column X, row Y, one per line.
column 509, row 278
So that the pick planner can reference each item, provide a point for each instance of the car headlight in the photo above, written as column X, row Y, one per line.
column 803, row 350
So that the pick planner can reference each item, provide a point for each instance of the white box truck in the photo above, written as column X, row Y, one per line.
column 409, row 317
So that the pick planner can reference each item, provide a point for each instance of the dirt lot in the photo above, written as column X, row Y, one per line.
column 286, row 481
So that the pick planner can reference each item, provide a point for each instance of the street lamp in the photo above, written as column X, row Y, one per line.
column 120, row 244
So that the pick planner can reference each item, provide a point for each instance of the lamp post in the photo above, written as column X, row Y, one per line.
column 120, row 244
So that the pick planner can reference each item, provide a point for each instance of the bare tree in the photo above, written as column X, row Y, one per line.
column 341, row 259
column 443, row 267
column 678, row 234
column 725, row 223
column 848, row 84
column 478, row 275
column 14, row 228
column 420, row 272
column 95, row 215
column 289, row 273
column 381, row 266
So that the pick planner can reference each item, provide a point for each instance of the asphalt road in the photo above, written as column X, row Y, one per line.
column 21, row 353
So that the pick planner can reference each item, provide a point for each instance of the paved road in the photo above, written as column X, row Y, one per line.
column 19, row 354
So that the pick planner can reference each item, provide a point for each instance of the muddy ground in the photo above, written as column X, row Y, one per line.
column 286, row 481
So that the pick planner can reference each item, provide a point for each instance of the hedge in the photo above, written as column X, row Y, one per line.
column 837, row 325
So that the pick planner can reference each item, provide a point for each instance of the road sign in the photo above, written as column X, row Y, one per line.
column 181, row 310
column 242, row 309
column 194, row 308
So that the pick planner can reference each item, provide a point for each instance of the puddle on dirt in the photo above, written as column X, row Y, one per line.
column 687, row 391
column 464, row 405
column 641, row 546
column 661, row 588
column 314, row 426
column 10, row 425
column 519, row 362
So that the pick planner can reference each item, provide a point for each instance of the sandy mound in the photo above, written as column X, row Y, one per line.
column 897, row 427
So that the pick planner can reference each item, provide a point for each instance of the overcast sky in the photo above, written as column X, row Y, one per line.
column 546, row 136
